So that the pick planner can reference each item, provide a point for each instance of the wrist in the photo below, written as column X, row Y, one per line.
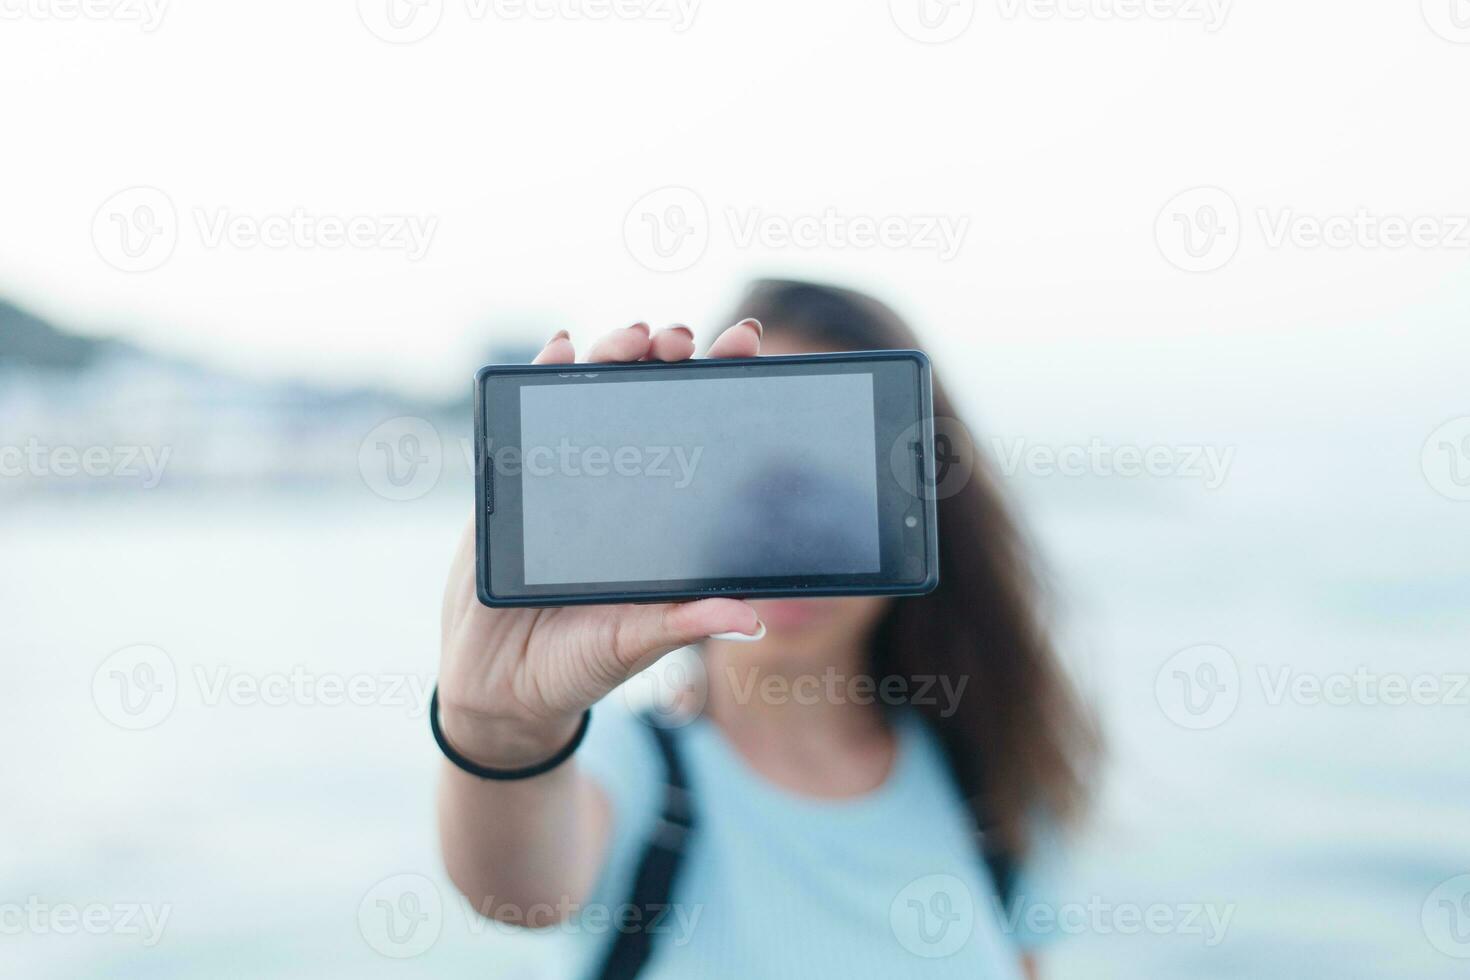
column 505, row 743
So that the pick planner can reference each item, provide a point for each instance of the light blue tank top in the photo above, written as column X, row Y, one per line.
column 890, row 884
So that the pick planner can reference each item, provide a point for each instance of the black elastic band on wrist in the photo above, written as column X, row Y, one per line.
column 485, row 772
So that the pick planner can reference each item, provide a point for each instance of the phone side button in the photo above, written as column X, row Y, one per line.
column 487, row 470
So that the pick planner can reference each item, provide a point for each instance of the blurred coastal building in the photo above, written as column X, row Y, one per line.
column 84, row 414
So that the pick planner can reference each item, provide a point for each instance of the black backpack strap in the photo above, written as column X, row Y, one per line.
column 1002, row 865
column 999, row 861
column 658, row 869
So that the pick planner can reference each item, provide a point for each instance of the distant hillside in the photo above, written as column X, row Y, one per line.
column 28, row 341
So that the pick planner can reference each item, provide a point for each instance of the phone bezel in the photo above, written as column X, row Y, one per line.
column 909, row 556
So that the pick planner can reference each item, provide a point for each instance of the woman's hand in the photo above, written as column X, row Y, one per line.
column 513, row 683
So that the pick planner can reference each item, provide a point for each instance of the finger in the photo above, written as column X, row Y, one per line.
column 461, row 597
column 460, row 568
column 741, row 340
column 628, row 344
column 649, row 632
column 675, row 343
column 558, row 350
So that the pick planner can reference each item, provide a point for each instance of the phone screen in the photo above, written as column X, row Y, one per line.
column 696, row 479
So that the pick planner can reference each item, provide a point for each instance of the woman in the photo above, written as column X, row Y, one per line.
column 836, row 776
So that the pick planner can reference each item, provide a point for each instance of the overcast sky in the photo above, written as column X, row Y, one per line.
column 1018, row 177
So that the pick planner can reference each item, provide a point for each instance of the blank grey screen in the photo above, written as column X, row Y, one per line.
column 629, row 481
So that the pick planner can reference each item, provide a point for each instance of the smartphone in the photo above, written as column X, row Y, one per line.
column 804, row 475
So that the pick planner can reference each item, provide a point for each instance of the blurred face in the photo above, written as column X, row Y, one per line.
column 808, row 631
column 811, row 629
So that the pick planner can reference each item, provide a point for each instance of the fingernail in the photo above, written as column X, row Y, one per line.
column 683, row 330
column 559, row 335
column 759, row 634
column 760, row 331
column 640, row 325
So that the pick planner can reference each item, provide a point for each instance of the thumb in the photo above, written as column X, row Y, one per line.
column 651, row 631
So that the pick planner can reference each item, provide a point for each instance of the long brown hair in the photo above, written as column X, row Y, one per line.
column 1020, row 743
